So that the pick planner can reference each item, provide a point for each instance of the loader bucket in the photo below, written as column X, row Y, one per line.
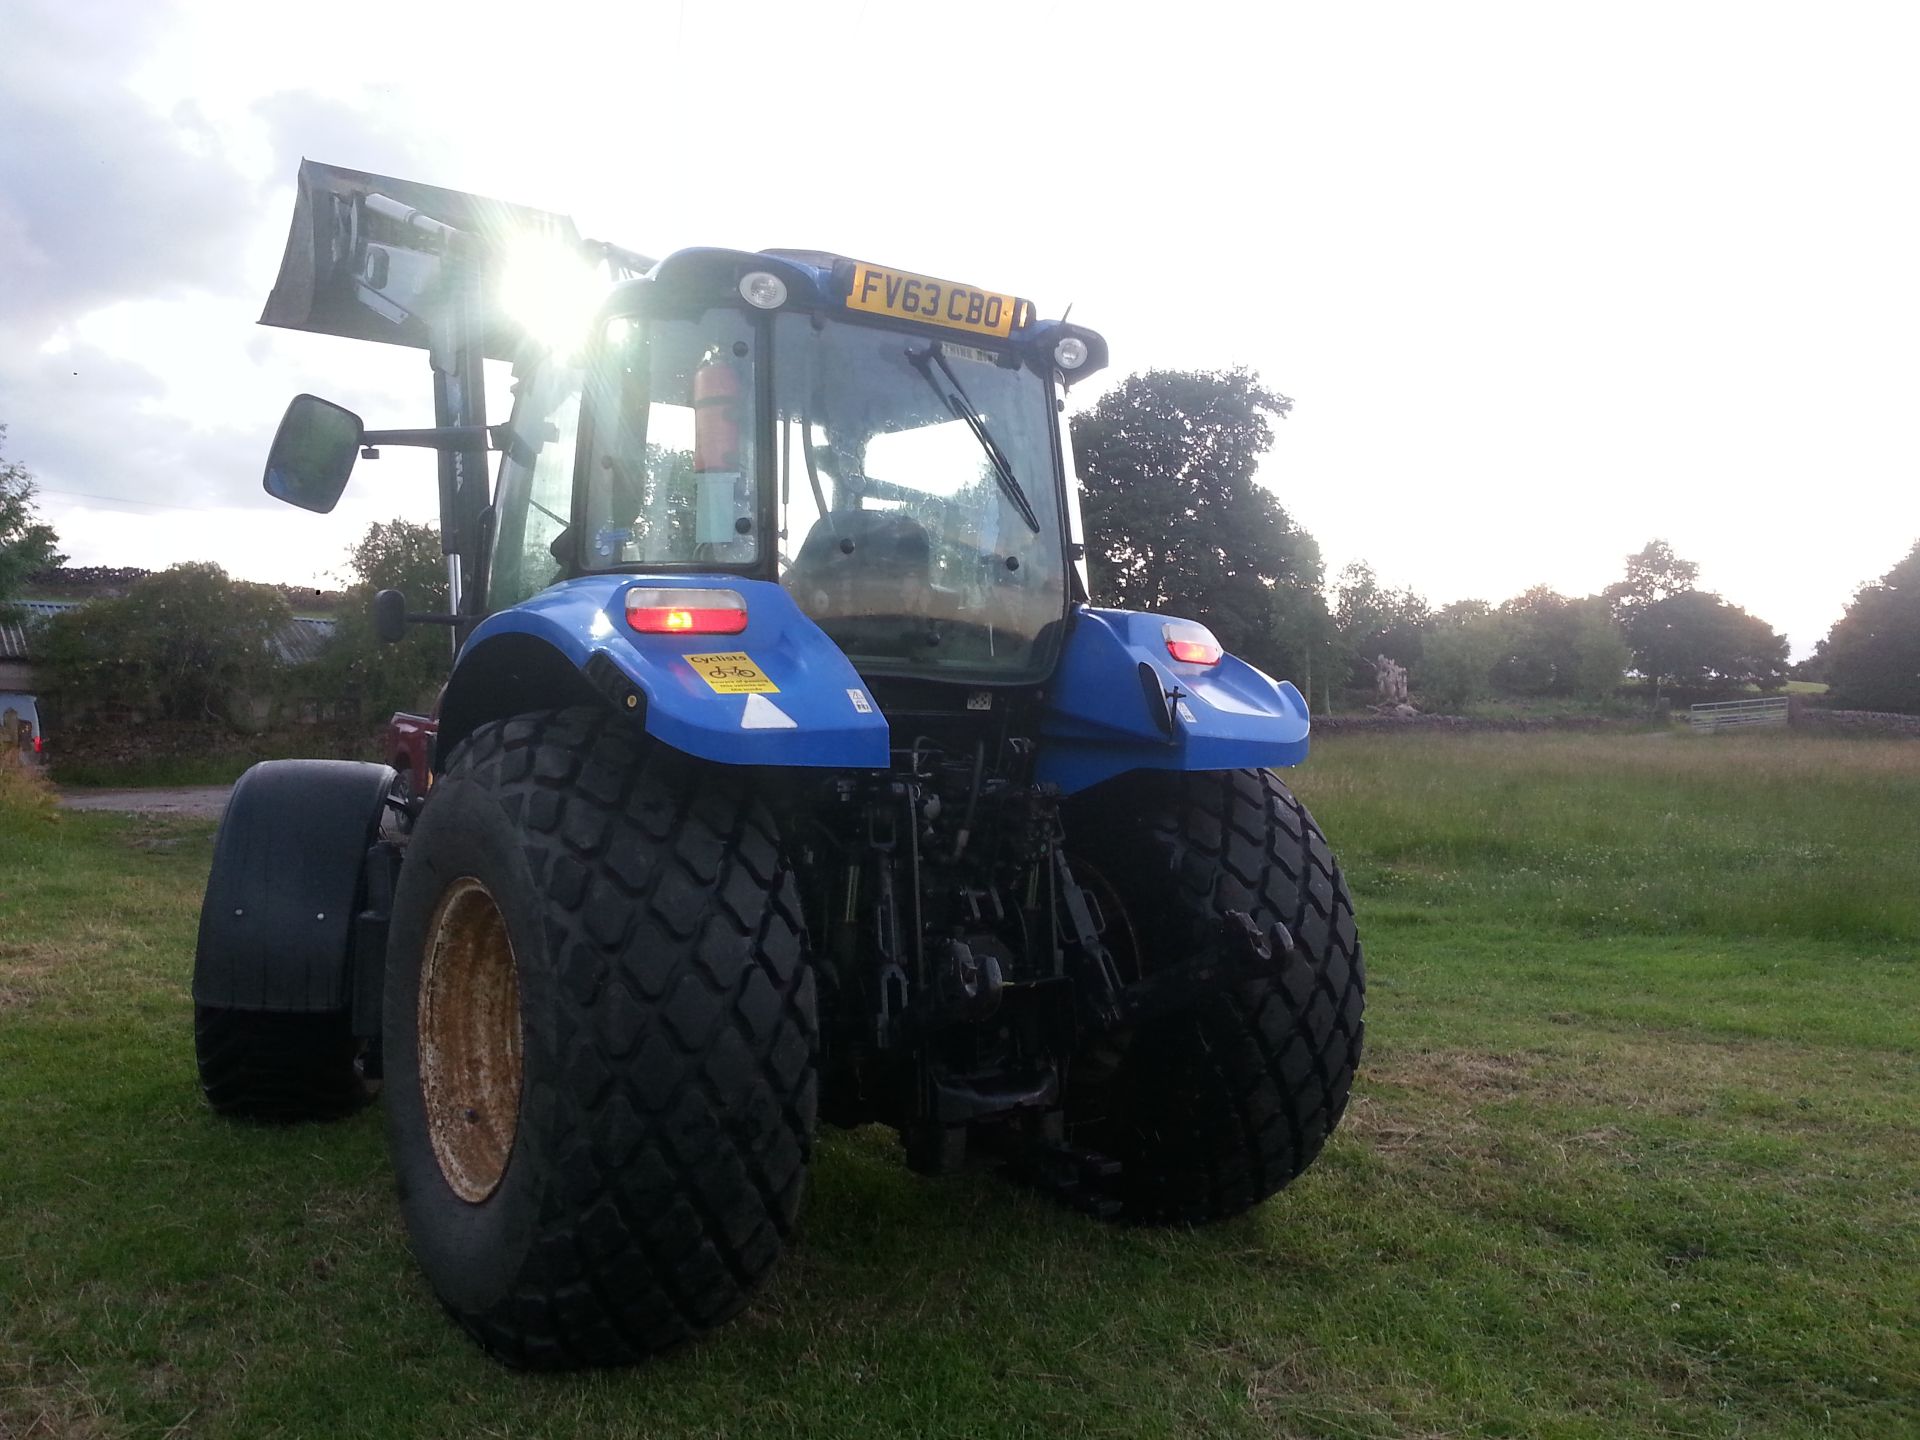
column 367, row 256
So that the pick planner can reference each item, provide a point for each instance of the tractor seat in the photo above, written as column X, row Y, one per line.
column 843, row 543
column 857, row 562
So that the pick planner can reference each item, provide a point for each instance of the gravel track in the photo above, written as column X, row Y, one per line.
column 201, row 801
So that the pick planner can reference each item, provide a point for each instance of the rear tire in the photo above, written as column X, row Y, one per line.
column 284, row 1068
column 1212, row 1109
column 631, row 1182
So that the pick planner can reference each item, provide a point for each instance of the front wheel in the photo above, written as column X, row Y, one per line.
column 600, row 1042
column 1214, row 1107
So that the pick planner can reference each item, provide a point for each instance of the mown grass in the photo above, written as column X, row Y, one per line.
column 1635, row 1154
column 1658, row 835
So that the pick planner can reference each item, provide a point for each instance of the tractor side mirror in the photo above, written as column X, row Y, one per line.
column 313, row 453
column 390, row 616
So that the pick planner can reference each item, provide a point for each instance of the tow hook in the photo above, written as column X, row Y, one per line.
column 1243, row 953
column 1241, row 931
column 966, row 989
column 970, row 983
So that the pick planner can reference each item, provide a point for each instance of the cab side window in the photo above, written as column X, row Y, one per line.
column 536, row 489
column 671, row 474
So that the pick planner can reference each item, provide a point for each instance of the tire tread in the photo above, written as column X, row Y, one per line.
column 685, row 1035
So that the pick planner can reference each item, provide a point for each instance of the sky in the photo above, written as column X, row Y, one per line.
column 1545, row 281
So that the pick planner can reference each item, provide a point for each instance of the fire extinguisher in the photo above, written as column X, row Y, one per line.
column 716, row 417
column 721, row 507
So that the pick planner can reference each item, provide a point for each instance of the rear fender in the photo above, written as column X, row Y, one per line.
column 1120, row 702
column 277, row 924
column 792, row 698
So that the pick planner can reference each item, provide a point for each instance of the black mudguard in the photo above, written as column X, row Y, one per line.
column 277, row 926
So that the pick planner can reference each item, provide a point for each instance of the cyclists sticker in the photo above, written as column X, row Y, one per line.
column 732, row 673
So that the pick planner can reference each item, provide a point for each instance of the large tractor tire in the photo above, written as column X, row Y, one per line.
column 600, row 1042
column 1212, row 1108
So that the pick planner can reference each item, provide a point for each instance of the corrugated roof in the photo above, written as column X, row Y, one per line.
column 294, row 643
column 299, row 640
column 18, row 620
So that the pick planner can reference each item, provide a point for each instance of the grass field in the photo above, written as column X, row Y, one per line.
column 1636, row 1152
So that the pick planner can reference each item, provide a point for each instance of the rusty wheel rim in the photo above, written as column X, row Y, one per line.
column 469, row 1022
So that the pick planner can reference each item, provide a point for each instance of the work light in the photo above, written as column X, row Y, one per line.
column 758, row 288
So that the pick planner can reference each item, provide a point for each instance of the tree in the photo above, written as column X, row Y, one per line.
column 1597, row 653
column 1687, row 636
column 1561, row 646
column 1455, row 611
column 1872, row 653
column 1541, row 641
column 1177, row 523
column 27, row 543
column 1652, row 575
column 379, row 678
column 1695, row 638
column 1459, row 656
column 1372, row 620
column 186, row 642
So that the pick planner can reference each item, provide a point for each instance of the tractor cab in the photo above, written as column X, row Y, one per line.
column 886, row 447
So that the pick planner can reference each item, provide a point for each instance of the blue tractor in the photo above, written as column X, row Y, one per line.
column 786, row 772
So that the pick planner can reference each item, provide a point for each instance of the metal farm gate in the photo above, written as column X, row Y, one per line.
column 1738, row 714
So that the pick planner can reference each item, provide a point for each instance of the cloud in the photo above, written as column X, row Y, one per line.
column 101, row 199
column 86, row 422
column 304, row 124
column 137, row 242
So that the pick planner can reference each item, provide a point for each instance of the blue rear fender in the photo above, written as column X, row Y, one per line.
column 778, row 693
column 1099, row 719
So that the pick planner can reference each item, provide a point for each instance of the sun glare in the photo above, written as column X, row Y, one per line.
column 551, row 291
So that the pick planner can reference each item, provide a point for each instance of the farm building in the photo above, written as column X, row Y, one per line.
column 295, row 643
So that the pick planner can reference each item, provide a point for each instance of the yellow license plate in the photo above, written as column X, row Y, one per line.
column 905, row 296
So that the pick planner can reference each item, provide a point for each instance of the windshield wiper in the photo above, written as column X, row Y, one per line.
column 963, row 409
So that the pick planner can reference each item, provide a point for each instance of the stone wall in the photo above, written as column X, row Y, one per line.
column 1412, row 724
column 1810, row 717
column 1858, row 722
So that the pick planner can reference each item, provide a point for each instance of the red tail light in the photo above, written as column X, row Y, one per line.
column 686, row 612
column 1191, row 644
column 39, row 743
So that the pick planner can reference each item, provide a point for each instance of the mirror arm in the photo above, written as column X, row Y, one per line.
column 440, row 437
column 391, row 617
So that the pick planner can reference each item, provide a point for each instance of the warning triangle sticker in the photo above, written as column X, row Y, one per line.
column 762, row 714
